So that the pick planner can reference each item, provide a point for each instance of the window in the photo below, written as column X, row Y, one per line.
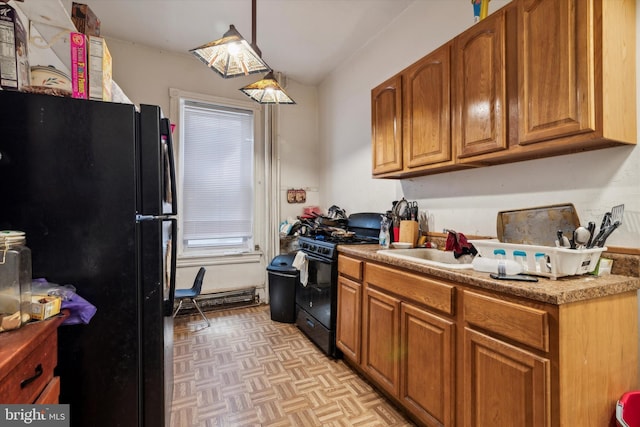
column 217, row 169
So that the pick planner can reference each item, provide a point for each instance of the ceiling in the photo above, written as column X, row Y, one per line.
column 304, row 39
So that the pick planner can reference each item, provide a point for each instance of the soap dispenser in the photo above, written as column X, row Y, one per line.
column 384, row 237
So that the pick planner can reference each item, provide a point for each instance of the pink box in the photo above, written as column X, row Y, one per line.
column 79, row 66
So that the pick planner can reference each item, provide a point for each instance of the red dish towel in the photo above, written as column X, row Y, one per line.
column 457, row 242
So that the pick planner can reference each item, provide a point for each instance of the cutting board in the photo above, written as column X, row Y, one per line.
column 409, row 232
column 538, row 225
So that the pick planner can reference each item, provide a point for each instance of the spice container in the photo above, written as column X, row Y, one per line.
column 15, row 280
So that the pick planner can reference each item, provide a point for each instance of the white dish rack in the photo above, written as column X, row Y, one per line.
column 546, row 261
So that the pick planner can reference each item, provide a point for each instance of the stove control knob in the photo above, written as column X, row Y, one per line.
column 325, row 251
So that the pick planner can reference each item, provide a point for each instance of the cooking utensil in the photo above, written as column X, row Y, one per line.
column 592, row 229
column 617, row 212
column 423, row 222
column 413, row 210
column 536, row 226
column 610, row 229
column 562, row 241
column 606, row 221
column 581, row 236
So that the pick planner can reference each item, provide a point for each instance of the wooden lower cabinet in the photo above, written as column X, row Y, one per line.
column 503, row 384
column 381, row 339
column 454, row 355
column 427, row 368
column 28, row 357
column 350, row 314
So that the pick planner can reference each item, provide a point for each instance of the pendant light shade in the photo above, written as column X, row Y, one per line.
column 267, row 91
column 231, row 56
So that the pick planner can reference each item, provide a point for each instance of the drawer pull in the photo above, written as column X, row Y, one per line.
column 28, row 381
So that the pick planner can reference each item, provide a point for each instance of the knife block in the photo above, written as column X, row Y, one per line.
column 409, row 232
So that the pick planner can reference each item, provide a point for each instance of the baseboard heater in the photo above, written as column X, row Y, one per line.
column 222, row 300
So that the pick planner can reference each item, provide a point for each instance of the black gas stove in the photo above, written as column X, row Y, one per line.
column 316, row 296
column 326, row 246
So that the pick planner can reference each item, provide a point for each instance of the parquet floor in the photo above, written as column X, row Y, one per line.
column 247, row 370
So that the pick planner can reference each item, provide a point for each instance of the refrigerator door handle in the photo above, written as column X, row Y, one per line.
column 168, row 304
column 166, row 131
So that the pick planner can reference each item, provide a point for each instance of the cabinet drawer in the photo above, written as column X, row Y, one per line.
column 422, row 290
column 350, row 267
column 526, row 325
column 25, row 382
column 51, row 394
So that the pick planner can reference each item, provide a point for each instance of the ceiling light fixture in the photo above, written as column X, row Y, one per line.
column 232, row 55
column 267, row 91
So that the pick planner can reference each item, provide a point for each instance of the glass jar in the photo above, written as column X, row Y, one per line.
column 15, row 280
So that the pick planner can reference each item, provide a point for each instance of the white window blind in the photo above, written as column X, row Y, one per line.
column 218, row 177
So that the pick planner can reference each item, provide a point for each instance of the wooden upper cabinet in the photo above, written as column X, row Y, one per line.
column 557, row 93
column 386, row 126
column 481, row 103
column 576, row 71
column 427, row 110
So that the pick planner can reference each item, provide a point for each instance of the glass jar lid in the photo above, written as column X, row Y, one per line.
column 11, row 237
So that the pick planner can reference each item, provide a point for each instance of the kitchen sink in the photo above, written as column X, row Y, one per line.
column 432, row 257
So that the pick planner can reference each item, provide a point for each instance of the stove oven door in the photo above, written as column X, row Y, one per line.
column 318, row 297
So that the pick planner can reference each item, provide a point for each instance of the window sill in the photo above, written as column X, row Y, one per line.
column 192, row 260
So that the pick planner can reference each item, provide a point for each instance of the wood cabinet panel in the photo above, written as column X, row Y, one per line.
column 504, row 385
column 481, row 102
column 386, row 126
column 427, row 110
column 28, row 357
column 349, row 316
column 50, row 395
column 526, row 325
column 427, row 369
column 350, row 267
column 555, row 73
column 491, row 359
column 381, row 339
column 427, row 291
column 25, row 382
column 537, row 78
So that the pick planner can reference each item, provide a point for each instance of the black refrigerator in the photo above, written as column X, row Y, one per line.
column 92, row 184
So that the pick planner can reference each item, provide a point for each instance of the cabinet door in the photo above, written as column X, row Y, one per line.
column 349, row 315
column 427, row 366
column 503, row 384
column 555, row 69
column 427, row 110
column 381, row 339
column 481, row 104
column 386, row 126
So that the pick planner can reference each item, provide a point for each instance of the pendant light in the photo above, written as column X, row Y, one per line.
column 267, row 91
column 232, row 55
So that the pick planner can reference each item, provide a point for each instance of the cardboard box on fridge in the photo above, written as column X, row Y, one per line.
column 43, row 306
column 14, row 58
column 79, row 66
column 100, row 69
column 84, row 19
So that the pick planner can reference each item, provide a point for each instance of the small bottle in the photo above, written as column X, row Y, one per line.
column 384, row 237
column 15, row 280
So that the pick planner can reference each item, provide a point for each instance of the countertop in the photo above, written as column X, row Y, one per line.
column 564, row 290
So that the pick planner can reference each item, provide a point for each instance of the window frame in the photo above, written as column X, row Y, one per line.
column 187, row 257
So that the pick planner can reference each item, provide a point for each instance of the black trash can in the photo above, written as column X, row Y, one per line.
column 283, row 277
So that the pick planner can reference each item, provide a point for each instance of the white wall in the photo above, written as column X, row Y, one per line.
column 467, row 201
column 146, row 75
